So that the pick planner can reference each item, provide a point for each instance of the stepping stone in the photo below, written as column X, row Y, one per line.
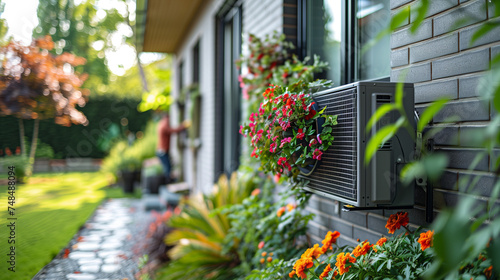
column 90, row 268
column 82, row 255
column 107, row 253
column 80, row 276
column 89, row 261
column 111, row 245
column 113, row 259
column 110, row 268
column 86, row 246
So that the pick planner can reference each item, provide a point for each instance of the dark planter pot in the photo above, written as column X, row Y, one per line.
column 127, row 180
column 153, row 183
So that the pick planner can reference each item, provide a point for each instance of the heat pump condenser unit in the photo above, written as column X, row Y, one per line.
column 342, row 173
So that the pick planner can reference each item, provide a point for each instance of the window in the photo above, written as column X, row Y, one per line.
column 228, row 93
column 196, row 63
column 338, row 31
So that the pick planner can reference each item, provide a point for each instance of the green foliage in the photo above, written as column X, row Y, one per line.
column 269, row 63
column 103, row 113
column 199, row 232
column 22, row 166
column 43, row 150
column 123, row 156
column 409, row 255
column 261, row 226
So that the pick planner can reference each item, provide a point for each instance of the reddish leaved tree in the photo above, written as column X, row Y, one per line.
column 34, row 84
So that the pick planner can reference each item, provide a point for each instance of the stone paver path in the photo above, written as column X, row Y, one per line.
column 108, row 247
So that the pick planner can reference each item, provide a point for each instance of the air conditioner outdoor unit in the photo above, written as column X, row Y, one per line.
column 342, row 173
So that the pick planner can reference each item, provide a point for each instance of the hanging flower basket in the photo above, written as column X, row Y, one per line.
column 289, row 133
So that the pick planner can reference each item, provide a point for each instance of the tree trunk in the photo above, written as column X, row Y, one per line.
column 34, row 141
column 21, row 136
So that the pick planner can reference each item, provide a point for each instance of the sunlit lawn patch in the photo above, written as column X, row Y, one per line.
column 49, row 210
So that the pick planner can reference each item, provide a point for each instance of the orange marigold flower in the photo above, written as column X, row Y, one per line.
column 263, row 254
column 291, row 274
column 255, row 192
column 262, row 260
column 281, row 211
column 330, row 238
column 380, row 242
column 269, row 259
column 313, row 252
column 396, row 221
column 425, row 239
column 342, row 260
column 325, row 272
column 302, row 264
column 361, row 249
column 290, row 207
column 488, row 272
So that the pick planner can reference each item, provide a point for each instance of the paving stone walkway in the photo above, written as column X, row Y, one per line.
column 107, row 248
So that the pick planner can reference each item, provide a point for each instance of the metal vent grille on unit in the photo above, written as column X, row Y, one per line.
column 336, row 174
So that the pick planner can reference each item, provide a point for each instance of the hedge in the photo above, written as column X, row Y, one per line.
column 78, row 140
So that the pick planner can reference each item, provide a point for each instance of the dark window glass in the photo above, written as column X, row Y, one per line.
column 342, row 33
column 375, row 60
column 196, row 63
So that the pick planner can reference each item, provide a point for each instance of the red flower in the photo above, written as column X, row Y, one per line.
column 261, row 244
column 317, row 154
column 311, row 115
column 300, row 134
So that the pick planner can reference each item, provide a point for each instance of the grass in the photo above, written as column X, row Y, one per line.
column 49, row 209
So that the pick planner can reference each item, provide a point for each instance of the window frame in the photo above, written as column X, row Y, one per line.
column 349, row 47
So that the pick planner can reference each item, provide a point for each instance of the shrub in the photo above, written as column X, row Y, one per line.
column 408, row 255
column 21, row 164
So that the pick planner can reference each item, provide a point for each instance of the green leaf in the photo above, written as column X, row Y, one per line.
column 322, row 111
column 319, row 269
column 381, row 111
column 399, row 95
column 398, row 19
column 483, row 30
column 381, row 137
column 421, row 13
column 430, row 112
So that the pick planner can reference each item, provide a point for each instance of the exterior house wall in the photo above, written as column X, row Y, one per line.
column 441, row 63
column 204, row 31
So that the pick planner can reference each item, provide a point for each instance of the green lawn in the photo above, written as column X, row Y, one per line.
column 49, row 209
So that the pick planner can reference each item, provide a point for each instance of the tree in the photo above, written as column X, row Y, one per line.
column 35, row 84
column 84, row 30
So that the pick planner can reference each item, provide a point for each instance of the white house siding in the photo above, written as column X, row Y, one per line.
column 204, row 31
column 262, row 17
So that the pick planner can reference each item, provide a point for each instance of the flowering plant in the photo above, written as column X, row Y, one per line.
column 268, row 62
column 408, row 255
column 289, row 130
